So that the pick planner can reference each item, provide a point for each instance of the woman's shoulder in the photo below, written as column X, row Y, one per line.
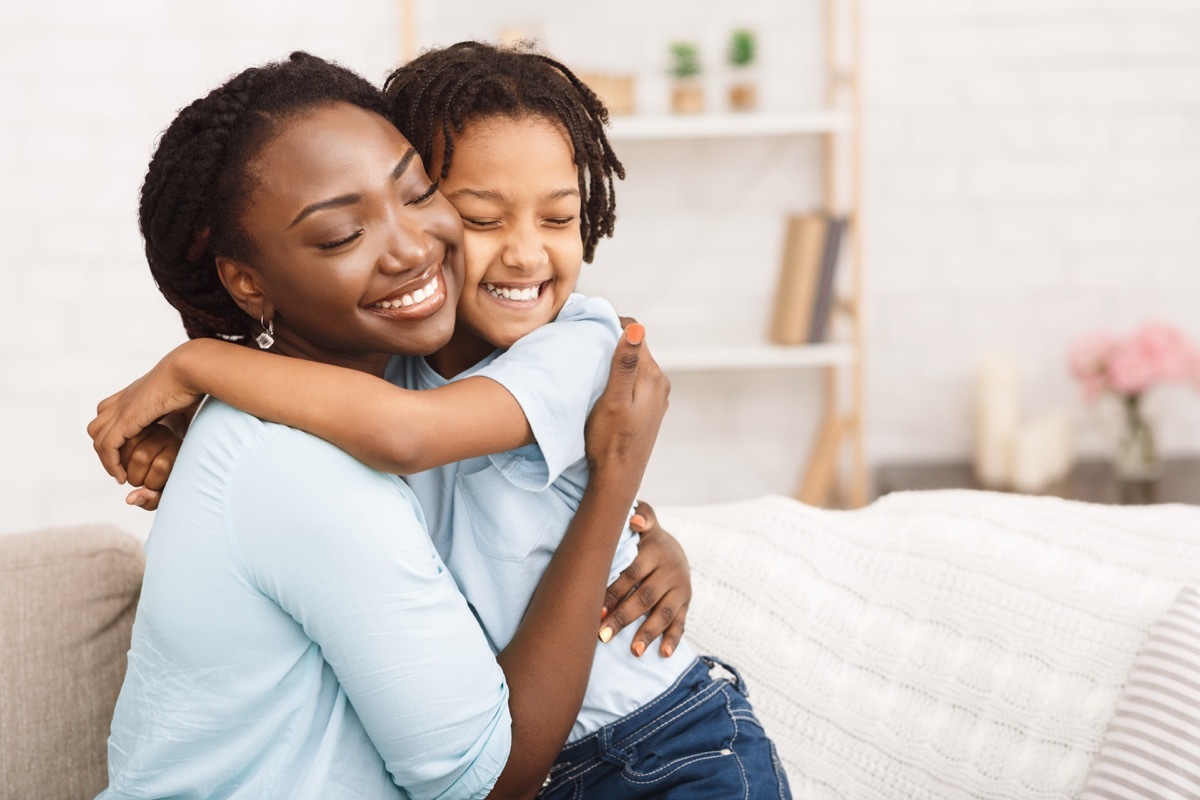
column 258, row 450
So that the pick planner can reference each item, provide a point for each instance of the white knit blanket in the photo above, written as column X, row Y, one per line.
column 934, row 644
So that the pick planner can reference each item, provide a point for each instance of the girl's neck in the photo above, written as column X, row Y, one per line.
column 464, row 350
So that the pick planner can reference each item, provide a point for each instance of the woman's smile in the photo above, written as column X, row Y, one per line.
column 417, row 298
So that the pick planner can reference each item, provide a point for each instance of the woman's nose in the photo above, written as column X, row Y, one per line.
column 408, row 247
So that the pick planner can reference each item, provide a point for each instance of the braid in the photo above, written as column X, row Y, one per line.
column 435, row 95
column 198, row 181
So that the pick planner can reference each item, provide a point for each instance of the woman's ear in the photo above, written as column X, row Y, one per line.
column 245, row 287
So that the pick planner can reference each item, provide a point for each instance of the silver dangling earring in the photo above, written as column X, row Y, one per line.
column 267, row 337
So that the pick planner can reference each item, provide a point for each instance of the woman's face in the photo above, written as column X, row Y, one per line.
column 356, row 255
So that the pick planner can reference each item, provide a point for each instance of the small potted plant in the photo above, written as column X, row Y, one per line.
column 687, row 94
column 741, row 55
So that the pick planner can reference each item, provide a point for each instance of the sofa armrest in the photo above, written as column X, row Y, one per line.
column 67, row 602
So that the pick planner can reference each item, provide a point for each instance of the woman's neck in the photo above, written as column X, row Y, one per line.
column 463, row 351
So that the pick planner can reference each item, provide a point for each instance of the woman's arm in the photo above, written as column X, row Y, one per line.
column 394, row 430
column 549, row 659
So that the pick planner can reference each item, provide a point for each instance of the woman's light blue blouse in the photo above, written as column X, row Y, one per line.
column 298, row 636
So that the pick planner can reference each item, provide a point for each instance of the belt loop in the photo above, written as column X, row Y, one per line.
column 722, row 671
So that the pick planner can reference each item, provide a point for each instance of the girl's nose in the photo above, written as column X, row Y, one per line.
column 524, row 250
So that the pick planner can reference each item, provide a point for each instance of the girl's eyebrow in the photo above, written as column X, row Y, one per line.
column 350, row 199
column 491, row 194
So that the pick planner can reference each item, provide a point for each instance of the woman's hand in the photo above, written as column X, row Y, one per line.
column 620, row 432
column 126, row 414
column 657, row 584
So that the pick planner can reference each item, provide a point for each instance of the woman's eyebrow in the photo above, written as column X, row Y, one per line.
column 350, row 199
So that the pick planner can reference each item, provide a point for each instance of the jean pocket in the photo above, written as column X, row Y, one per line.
column 507, row 522
column 690, row 744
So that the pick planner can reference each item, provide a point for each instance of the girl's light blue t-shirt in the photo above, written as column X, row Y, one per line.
column 298, row 636
column 496, row 520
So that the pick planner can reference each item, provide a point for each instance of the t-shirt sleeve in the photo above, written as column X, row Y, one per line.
column 343, row 550
column 556, row 373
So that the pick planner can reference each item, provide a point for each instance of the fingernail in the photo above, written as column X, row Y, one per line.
column 638, row 519
column 605, row 633
column 603, row 613
column 635, row 333
column 638, row 649
column 667, row 650
column 139, row 501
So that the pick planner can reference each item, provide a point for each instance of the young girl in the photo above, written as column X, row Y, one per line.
column 519, row 146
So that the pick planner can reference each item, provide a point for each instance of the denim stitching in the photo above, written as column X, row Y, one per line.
column 593, row 762
column 780, row 779
column 679, row 764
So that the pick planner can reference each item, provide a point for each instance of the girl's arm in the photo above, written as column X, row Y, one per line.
column 548, row 672
column 394, row 430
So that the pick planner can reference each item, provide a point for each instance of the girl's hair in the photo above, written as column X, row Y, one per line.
column 441, row 90
column 199, row 180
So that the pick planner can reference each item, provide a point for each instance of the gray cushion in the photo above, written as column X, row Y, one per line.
column 67, row 600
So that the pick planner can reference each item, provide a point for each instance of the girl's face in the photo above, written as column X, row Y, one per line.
column 357, row 256
column 515, row 185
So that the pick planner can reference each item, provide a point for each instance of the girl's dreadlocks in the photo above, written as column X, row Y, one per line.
column 198, row 183
column 436, row 94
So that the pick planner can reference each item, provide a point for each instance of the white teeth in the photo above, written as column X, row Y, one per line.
column 410, row 299
column 528, row 293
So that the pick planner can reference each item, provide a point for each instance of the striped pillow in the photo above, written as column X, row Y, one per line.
column 1152, row 746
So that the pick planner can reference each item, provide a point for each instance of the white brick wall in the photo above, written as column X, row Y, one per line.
column 1033, row 171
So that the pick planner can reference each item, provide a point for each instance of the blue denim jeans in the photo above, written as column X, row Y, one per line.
column 697, row 740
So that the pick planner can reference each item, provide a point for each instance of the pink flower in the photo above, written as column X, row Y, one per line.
column 1090, row 353
column 1131, row 370
column 1154, row 353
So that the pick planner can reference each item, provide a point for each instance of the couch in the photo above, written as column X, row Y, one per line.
column 931, row 645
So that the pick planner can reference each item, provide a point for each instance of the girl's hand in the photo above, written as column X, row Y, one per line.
column 624, row 423
column 126, row 414
column 658, row 581
column 148, row 459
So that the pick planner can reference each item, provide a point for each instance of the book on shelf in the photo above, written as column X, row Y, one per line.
column 806, row 278
column 823, row 304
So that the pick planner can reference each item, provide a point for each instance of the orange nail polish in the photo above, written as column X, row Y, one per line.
column 635, row 333
column 638, row 519
column 667, row 650
column 638, row 649
column 603, row 613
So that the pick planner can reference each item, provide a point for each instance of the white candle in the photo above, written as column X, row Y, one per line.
column 997, row 412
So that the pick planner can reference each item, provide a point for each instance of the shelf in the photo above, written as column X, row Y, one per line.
column 721, row 358
column 712, row 126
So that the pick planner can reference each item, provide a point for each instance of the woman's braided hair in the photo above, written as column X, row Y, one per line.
column 441, row 90
column 199, row 180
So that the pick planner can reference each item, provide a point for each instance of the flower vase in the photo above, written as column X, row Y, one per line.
column 1136, row 457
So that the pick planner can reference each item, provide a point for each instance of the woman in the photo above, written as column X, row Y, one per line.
column 297, row 635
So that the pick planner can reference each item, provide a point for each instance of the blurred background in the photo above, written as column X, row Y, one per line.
column 1030, row 172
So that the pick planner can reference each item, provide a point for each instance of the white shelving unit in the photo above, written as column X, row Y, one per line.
column 695, row 358
column 711, row 126
column 837, row 460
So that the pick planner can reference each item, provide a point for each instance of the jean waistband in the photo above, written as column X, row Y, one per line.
column 705, row 669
